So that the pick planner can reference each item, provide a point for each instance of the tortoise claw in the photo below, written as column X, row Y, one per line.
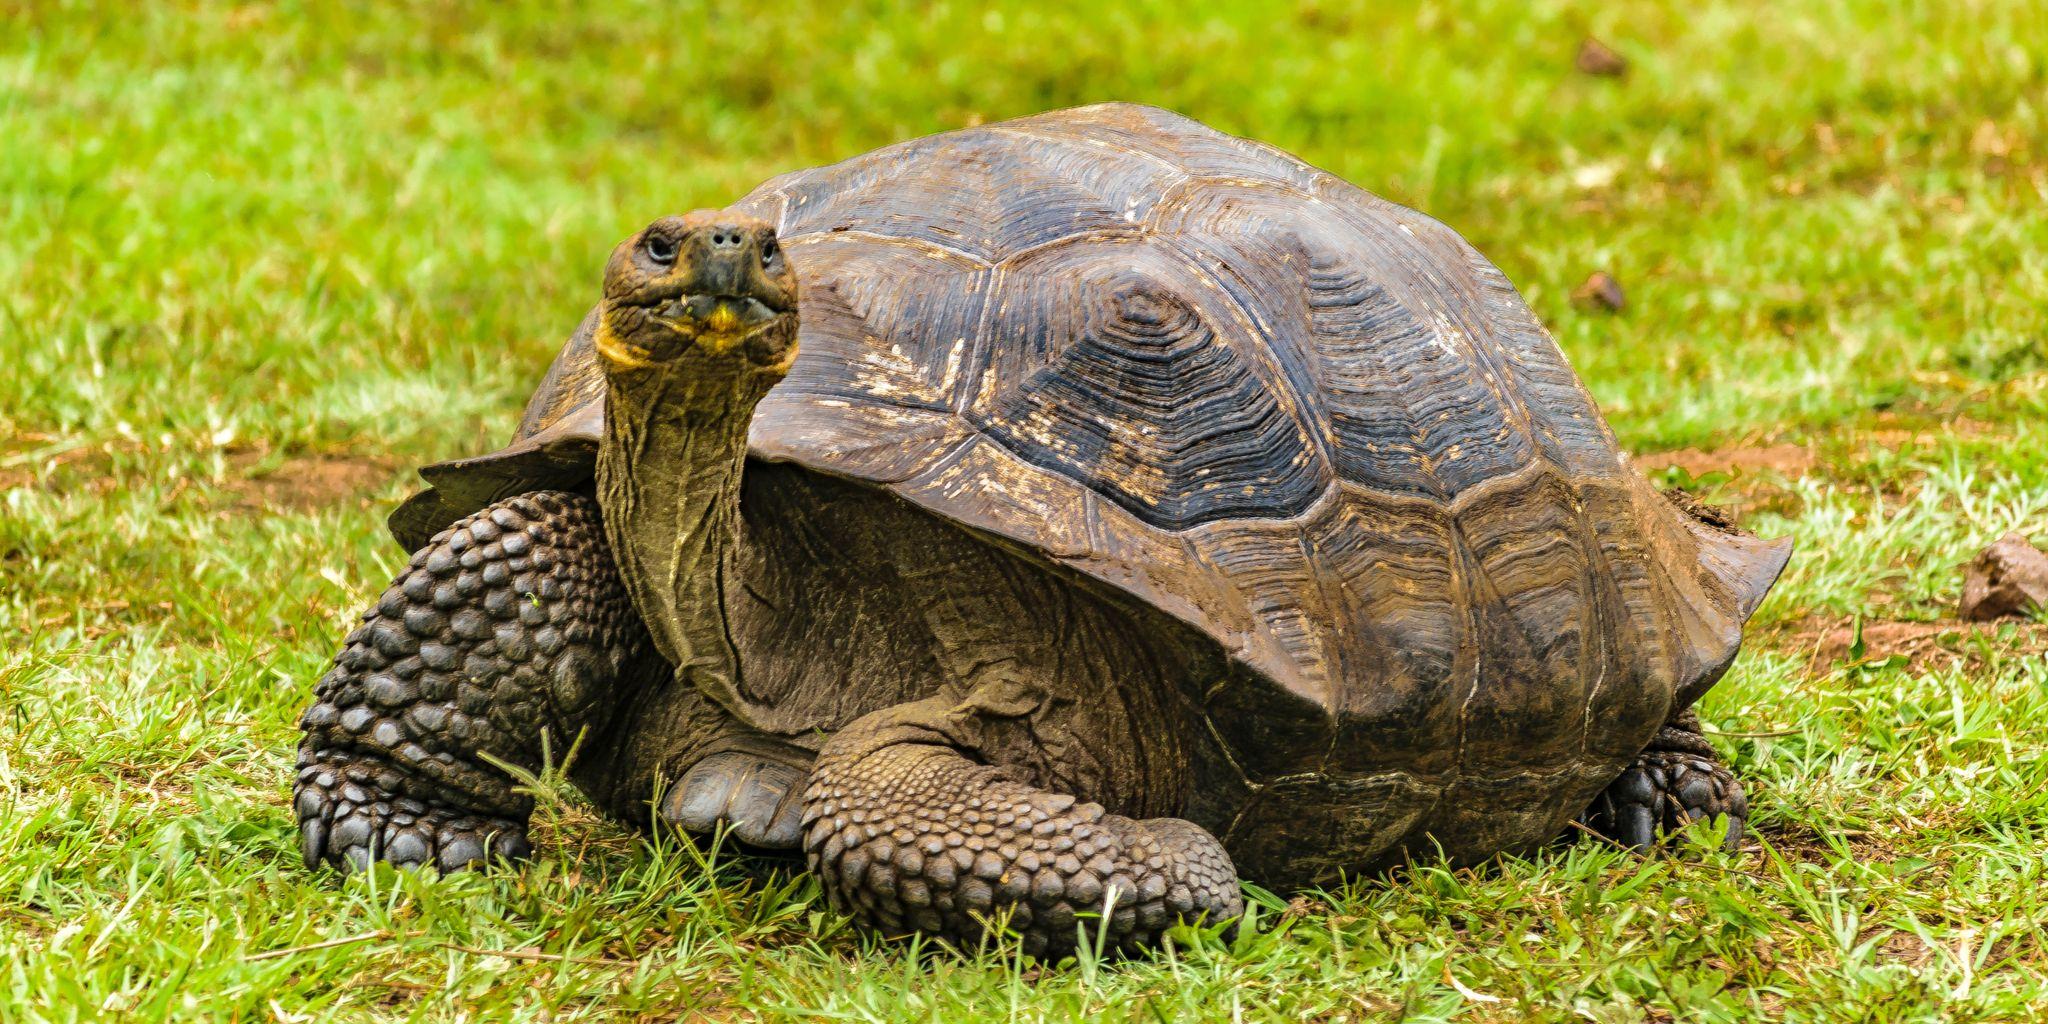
column 759, row 800
column 349, row 825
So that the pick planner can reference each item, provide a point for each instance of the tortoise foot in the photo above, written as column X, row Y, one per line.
column 349, row 819
column 759, row 800
column 907, row 834
column 1677, row 781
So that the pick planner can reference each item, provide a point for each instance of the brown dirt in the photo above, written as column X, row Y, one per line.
column 307, row 482
column 1759, row 475
column 1598, row 59
column 1898, row 439
column 1926, row 646
column 22, row 466
column 1747, row 461
column 300, row 483
column 1789, row 460
column 1796, row 843
column 1902, row 947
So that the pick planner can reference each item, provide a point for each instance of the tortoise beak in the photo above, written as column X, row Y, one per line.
column 718, row 312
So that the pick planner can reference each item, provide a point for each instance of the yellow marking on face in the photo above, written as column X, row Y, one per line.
column 723, row 319
column 620, row 352
column 788, row 360
column 722, row 330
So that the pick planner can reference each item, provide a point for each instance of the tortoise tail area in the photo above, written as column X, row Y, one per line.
column 1733, row 571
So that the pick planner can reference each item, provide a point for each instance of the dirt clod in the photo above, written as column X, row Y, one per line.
column 2008, row 580
column 1923, row 646
column 1598, row 59
column 314, row 481
column 1601, row 291
column 1790, row 460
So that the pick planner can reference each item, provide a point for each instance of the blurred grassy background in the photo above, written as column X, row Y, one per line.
column 258, row 260
column 323, row 218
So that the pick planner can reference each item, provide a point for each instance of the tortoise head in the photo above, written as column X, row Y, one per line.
column 711, row 288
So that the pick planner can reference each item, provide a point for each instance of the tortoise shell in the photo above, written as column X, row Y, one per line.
column 1316, row 426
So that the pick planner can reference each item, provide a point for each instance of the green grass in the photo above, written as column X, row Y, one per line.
column 257, row 261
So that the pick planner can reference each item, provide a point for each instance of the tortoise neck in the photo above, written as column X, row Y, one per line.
column 668, row 478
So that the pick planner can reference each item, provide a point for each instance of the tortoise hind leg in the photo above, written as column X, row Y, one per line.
column 1678, row 779
column 907, row 832
column 509, row 624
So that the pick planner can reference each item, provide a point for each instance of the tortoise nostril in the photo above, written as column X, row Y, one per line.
column 727, row 236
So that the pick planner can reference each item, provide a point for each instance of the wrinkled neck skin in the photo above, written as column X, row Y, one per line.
column 668, row 479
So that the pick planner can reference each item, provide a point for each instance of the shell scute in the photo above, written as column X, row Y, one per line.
column 1114, row 366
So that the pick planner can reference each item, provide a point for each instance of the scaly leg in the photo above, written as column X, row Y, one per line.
column 1677, row 780
column 509, row 624
column 906, row 832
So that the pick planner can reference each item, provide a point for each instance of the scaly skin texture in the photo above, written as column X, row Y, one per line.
column 509, row 624
column 907, row 833
column 668, row 478
column 1677, row 780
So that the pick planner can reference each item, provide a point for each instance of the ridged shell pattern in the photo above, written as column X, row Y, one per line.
column 1316, row 425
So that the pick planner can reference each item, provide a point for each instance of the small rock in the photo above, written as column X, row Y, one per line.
column 1601, row 291
column 1597, row 58
column 2010, row 579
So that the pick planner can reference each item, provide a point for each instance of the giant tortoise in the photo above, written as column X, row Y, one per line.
column 1064, row 516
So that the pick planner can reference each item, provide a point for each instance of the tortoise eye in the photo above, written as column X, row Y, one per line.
column 768, row 251
column 660, row 248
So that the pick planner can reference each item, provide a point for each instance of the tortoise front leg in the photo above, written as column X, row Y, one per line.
column 509, row 624
column 907, row 832
column 1677, row 780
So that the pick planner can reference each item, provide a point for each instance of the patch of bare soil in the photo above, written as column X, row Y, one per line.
column 1756, row 475
column 43, row 461
column 1917, row 423
column 299, row 483
column 308, row 482
column 1887, row 849
column 1789, row 460
column 1925, row 646
column 1746, row 479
